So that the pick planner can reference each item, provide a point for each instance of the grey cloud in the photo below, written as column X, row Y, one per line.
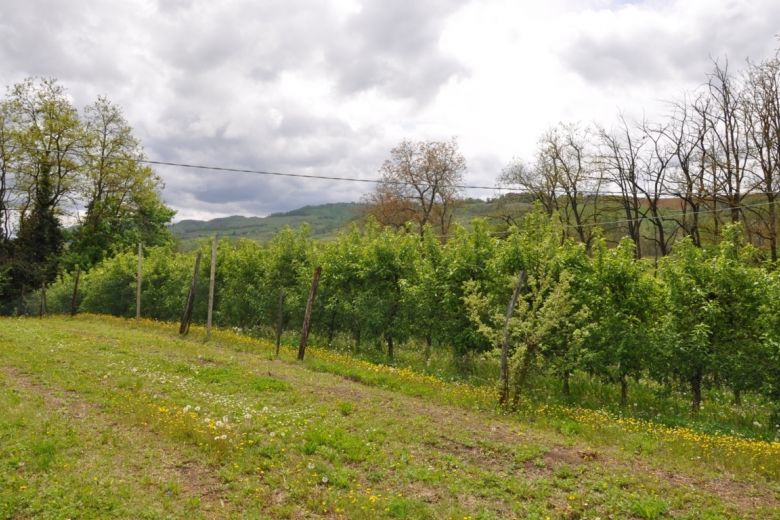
column 34, row 41
column 662, row 51
column 393, row 46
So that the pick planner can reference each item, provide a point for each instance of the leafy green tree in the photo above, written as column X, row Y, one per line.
column 425, row 291
column 343, row 284
column 716, row 301
column 121, row 195
column 626, row 303
column 467, row 260
column 389, row 258
column 39, row 243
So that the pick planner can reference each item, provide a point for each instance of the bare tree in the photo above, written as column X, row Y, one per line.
column 686, row 132
column 655, row 166
column 730, row 150
column 618, row 162
column 536, row 179
column 762, row 119
column 566, row 159
column 420, row 183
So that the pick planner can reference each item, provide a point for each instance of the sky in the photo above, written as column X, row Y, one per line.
column 329, row 87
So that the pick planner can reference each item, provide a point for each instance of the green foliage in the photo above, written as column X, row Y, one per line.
column 718, row 314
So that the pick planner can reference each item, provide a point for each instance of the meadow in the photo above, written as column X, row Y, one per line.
column 102, row 417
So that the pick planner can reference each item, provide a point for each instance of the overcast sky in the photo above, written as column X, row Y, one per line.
column 329, row 87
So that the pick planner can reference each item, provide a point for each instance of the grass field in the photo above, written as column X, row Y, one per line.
column 101, row 417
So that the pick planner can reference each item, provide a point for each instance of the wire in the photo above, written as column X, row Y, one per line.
column 225, row 169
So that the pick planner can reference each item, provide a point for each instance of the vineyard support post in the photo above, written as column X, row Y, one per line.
column 505, row 345
column 307, row 317
column 212, row 278
column 279, row 321
column 73, row 306
column 186, row 317
column 42, row 309
column 138, row 282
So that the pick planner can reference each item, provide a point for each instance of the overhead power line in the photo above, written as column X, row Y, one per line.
column 253, row 171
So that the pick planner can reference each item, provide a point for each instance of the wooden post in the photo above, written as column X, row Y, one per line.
column 279, row 321
column 186, row 317
column 307, row 317
column 212, row 278
column 505, row 345
column 75, row 292
column 138, row 282
column 42, row 309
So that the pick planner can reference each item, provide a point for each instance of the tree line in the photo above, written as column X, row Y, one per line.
column 73, row 189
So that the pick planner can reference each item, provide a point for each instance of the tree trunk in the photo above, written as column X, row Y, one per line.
column 331, row 327
column 566, row 387
column 623, row 391
column 524, row 371
column 428, row 349
column 696, row 391
column 737, row 397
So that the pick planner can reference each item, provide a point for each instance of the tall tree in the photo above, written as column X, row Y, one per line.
column 47, row 133
column 120, row 194
column 420, row 181
column 762, row 113
column 619, row 158
column 564, row 152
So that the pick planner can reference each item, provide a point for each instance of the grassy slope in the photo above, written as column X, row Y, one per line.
column 107, row 418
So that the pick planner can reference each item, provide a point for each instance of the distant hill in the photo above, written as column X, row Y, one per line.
column 324, row 220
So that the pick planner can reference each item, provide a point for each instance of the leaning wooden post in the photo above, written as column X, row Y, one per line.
column 138, row 282
column 75, row 292
column 186, row 317
column 279, row 321
column 307, row 317
column 212, row 277
column 505, row 345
